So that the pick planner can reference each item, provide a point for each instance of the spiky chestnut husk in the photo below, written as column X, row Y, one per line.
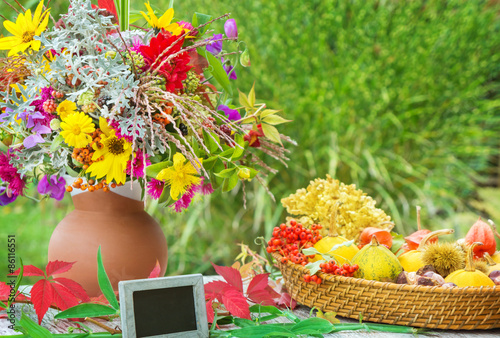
column 482, row 266
column 444, row 257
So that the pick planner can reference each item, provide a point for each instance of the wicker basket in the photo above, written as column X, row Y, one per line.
column 433, row 307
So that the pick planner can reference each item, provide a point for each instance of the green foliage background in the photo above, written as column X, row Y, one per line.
column 399, row 97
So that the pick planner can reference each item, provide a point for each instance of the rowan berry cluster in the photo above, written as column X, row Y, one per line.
column 91, row 185
column 290, row 240
column 339, row 270
column 84, row 155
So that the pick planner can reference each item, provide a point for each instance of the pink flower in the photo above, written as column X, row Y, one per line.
column 155, row 188
column 9, row 174
column 138, row 165
column 116, row 126
column 186, row 199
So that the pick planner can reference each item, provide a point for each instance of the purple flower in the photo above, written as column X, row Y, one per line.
column 155, row 188
column 231, row 29
column 6, row 197
column 232, row 114
column 55, row 187
column 5, row 115
column 32, row 140
column 215, row 47
column 229, row 70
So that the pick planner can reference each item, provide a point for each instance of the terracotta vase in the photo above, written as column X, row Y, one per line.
column 131, row 240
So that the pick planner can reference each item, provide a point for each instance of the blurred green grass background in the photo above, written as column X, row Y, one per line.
column 398, row 97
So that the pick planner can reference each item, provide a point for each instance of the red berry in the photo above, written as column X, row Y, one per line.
column 319, row 280
column 269, row 249
column 293, row 222
column 307, row 278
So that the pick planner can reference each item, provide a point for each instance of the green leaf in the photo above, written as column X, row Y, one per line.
column 271, row 133
column 201, row 19
column 86, row 310
column 397, row 242
column 154, row 169
column 244, row 100
column 314, row 266
column 267, row 112
column 33, row 329
column 268, row 330
column 227, row 153
column 56, row 143
column 275, row 120
column 242, row 322
column 218, row 167
column 165, row 195
column 226, row 173
column 230, row 183
column 312, row 326
column 104, row 283
column 238, row 152
column 19, row 278
column 251, row 96
column 212, row 140
column 265, row 309
column 208, row 163
column 217, row 71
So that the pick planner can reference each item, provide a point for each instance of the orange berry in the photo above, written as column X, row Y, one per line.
column 69, row 188
column 85, row 167
column 84, row 186
column 79, row 180
column 105, row 189
column 113, row 185
column 91, row 182
column 91, row 188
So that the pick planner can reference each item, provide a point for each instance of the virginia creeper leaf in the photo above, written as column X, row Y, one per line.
column 56, row 267
column 261, row 297
column 63, row 298
column 156, row 271
column 235, row 303
column 259, row 282
column 210, row 311
column 215, row 287
column 29, row 270
column 86, row 310
column 75, row 288
column 104, row 282
column 287, row 301
column 41, row 296
column 231, row 275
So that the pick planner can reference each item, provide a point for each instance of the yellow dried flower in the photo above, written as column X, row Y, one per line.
column 315, row 204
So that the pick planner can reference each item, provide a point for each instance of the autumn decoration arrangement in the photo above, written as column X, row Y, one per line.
column 89, row 103
column 316, row 261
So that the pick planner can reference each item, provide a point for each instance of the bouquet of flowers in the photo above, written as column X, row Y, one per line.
column 91, row 104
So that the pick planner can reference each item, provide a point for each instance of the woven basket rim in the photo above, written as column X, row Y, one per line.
column 393, row 286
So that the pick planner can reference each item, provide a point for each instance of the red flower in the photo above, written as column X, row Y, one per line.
column 253, row 137
column 175, row 70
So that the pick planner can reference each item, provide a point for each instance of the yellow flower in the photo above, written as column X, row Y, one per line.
column 66, row 108
column 76, row 129
column 163, row 21
column 115, row 152
column 180, row 176
column 24, row 30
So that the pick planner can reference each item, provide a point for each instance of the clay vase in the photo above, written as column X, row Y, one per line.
column 131, row 241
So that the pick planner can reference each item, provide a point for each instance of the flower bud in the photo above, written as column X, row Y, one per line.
column 55, row 124
column 231, row 29
column 244, row 174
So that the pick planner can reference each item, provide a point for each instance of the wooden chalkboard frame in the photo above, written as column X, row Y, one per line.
column 128, row 315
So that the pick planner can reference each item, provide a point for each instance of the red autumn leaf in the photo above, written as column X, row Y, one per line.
column 56, row 267
column 261, row 297
column 231, row 275
column 235, row 303
column 155, row 273
column 29, row 270
column 287, row 301
column 5, row 293
column 197, row 61
column 101, row 299
column 214, row 288
column 272, row 292
column 41, row 296
column 62, row 297
column 258, row 283
column 210, row 311
column 75, row 288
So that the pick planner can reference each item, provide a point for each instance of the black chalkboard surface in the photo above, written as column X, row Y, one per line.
column 163, row 307
column 163, row 311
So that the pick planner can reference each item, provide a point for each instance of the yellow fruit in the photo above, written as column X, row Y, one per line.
column 342, row 255
column 496, row 257
column 492, row 265
column 376, row 262
column 412, row 260
column 469, row 276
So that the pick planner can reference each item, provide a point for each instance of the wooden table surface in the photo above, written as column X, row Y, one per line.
column 62, row 325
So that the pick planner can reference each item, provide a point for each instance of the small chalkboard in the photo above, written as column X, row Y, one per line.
column 163, row 307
